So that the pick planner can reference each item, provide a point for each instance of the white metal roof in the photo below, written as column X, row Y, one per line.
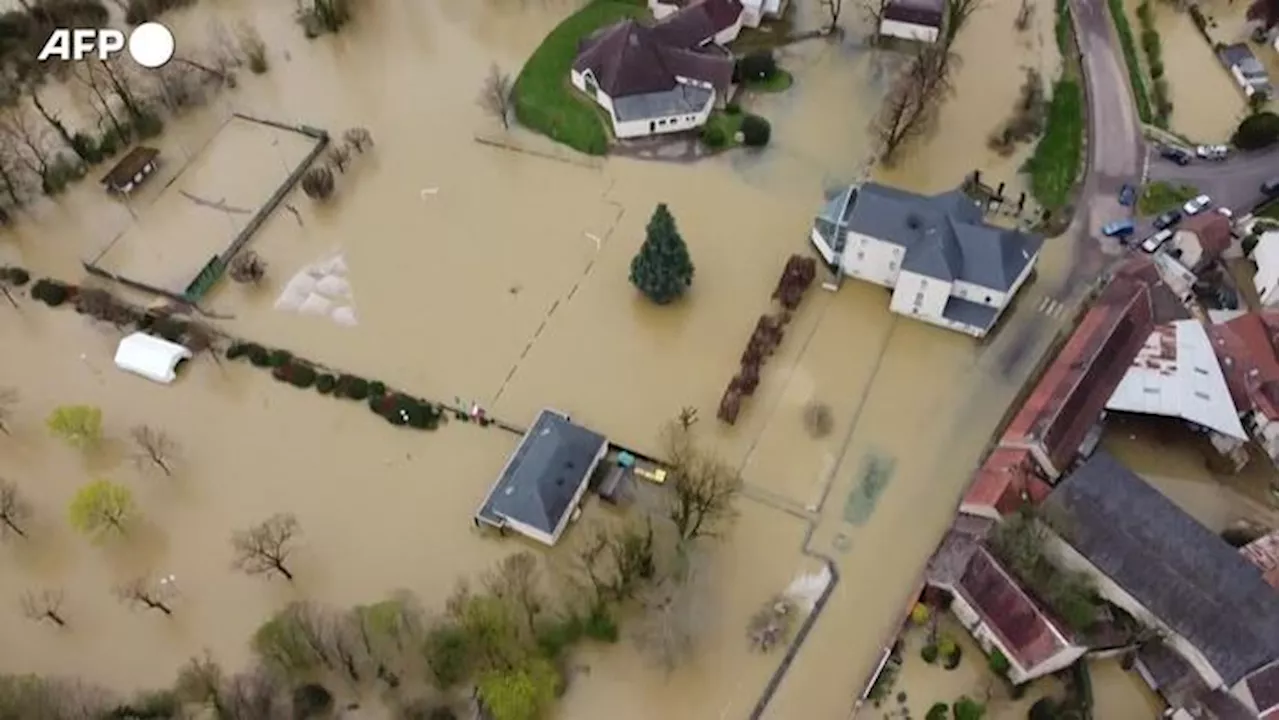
column 151, row 357
column 1176, row 374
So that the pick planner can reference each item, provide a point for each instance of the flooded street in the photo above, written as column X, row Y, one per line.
column 500, row 276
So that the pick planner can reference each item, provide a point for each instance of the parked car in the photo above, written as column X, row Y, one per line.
column 1119, row 228
column 1176, row 154
column 1269, row 187
column 1212, row 152
column 1196, row 204
column 1128, row 194
column 1167, row 219
column 1225, row 212
column 1154, row 242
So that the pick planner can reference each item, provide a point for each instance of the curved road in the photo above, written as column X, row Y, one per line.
column 1235, row 183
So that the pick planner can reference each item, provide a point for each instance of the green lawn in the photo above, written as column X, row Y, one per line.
column 1130, row 49
column 1160, row 196
column 1056, row 161
column 1268, row 210
column 544, row 99
column 780, row 81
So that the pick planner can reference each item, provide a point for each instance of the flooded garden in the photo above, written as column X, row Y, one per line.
column 471, row 273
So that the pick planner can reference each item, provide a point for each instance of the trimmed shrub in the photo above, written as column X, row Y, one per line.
column 713, row 136
column 952, row 661
column 169, row 329
column 237, row 351
column 355, row 388
column 302, row 376
column 1257, row 131
column 732, row 108
column 15, row 276
column 311, row 700
column 377, row 388
column 929, row 653
column 1046, row 708
column 258, row 355
column 998, row 663
column 325, row 383
column 50, row 292
column 279, row 358
column 755, row 131
column 937, row 712
column 600, row 626
column 758, row 65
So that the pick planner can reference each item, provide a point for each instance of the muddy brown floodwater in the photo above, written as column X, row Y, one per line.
column 499, row 276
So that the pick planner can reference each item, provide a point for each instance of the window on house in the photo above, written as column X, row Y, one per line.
column 961, row 292
column 1202, row 371
column 861, row 255
column 893, row 266
column 987, row 300
column 1151, row 390
column 919, row 298
column 1202, row 396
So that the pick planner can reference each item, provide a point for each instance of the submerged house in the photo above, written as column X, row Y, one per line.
column 919, row 20
column 946, row 266
column 662, row 78
column 542, row 483
column 1266, row 258
column 1200, row 240
column 132, row 169
column 1245, row 69
column 1246, row 348
column 752, row 12
column 994, row 608
column 1217, row 615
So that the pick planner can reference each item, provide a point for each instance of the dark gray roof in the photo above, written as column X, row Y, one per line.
column 943, row 236
column 1184, row 574
column 970, row 313
column 548, row 467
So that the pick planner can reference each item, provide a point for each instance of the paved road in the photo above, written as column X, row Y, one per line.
column 1234, row 183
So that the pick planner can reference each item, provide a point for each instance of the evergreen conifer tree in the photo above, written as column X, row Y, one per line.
column 662, row 269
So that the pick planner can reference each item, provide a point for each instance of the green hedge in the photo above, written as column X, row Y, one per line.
column 1130, row 50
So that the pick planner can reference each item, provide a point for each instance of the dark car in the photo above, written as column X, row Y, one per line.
column 1269, row 187
column 1127, row 195
column 1167, row 220
column 1176, row 154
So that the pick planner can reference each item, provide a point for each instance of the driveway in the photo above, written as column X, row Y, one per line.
column 1234, row 183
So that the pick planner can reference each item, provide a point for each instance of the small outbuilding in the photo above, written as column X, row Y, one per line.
column 919, row 20
column 542, row 483
column 132, row 169
column 151, row 357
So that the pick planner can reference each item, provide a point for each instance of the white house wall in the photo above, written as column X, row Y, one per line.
column 1266, row 256
column 661, row 9
column 909, row 31
column 920, row 296
column 979, row 294
column 820, row 243
column 646, row 126
column 1070, row 559
column 867, row 258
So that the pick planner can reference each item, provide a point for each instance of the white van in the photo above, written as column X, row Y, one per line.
column 1154, row 242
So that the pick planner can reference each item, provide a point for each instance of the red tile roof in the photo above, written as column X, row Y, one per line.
column 1074, row 390
column 1003, row 479
column 1013, row 616
column 1213, row 230
column 1246, row 349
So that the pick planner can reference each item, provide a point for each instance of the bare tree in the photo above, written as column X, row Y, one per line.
column 201, row 339
column 318, row 183
column 516, row 579
column 914, row 100
column 675, row 608
column 17, row 126
column 45, row 606
column 339, row 157
column 14, row 174
column 873, row 11
column 703, row 488
column 14, row 510
column 144, row 592
column 155, row 447
column 687, row 417
column 93, row 80
column 56, row 123
column 1025, row 12
column 253, row 694
column 833, row 9
column 958, row 13
column 8, row 401
column 495, row 95
column 247, row 267
column 264, row 548
column 772, row 625
column 200, row 682
column 358, row 139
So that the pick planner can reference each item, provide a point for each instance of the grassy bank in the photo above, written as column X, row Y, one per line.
column 1267, row 211
column 545, row 101
column 1130, row 49
column 1056, row 162
column 1160, row 196
column 1163, row 106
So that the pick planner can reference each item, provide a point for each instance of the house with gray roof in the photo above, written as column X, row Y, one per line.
column 660, row 78
column 1147, row 556
column 945, row 264
column 1245, row 69
column 543, row 481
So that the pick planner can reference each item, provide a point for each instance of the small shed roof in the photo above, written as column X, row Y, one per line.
column 129, row 166
column 151, row 357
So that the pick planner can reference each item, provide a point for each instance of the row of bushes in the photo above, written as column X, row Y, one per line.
column 1125, row 33
column 395, row 407
column 1155, row 65
column 14, row 276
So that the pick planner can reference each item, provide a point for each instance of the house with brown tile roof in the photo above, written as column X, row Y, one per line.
column 1200, row 240
column 1004, row 483
column 992, row 606
column 1067, row 403
column 1246, row 347
column 660, row 78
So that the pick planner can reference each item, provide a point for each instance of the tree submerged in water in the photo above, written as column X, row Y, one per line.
column 662, row 269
